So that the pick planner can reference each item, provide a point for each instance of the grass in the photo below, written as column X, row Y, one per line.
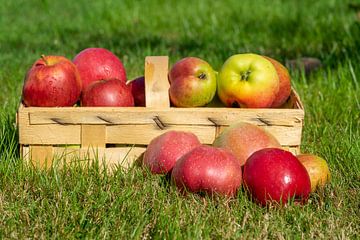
column 78, row 203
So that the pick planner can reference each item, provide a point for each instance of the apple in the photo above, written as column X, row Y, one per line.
column 317, row 169
column 208, row 169
column 164, row 150
column 284, row 83
column 138, row 91
column 276, row 175
column 52, row 81
column 96, row 64
column 248, row 80
column 192, row 83
column 107, row 93
column 243, row 139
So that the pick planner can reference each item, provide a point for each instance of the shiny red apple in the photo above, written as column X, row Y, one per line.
column 164, row 150
column 138, row 91
column 208, row 169
column 107, row 93
column 96, row 64
column 52, row 81
column 276, row 175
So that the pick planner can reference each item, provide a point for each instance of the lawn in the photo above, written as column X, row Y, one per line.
column 78, row 203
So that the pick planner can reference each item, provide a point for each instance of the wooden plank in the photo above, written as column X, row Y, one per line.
column 156, row 81
column 194, row 116
column 50, row 134
column 93, row 136
column 41, row 156
column 111, row 157
column 143, row 134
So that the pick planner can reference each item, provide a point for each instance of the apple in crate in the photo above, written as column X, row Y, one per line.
column 96, row 64
column 276, row 175
column 243, row 139
column 164, row 150
column 208, row 169
column 192, row 83
column 317, row 169
column 248, row 80
column 107, row 93
column 138, row 91
column 284, row 83
column 52, row 81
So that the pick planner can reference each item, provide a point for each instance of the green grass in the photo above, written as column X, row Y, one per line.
column 78, row 203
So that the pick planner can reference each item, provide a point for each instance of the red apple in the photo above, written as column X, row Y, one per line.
column 192, row 83
column 52, row 81
column 284, row 81
column 208, row 169
column 243, row 139
column 138, row 91
column 163, row 151
column 96, row 64
column 107, row 93
column 317, row 169
column 275, row 175
column 248, row 80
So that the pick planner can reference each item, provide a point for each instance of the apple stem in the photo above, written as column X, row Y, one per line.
column 202, row 76
column 43, row 57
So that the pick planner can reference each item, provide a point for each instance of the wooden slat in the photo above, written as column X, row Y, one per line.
column 156, row 81
column 41, row 156
column 93, row 136
column 143, row 134
column 49, row 134
column 193, row 116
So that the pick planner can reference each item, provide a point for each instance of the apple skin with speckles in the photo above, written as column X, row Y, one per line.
column 96, row 64
column 243, row 139
column 166, row 149
column 209, row 170
column 273, row 175
column 52, row 81
column 192, row 83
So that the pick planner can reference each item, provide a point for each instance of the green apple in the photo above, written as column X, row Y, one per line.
column 248, row 80
column 192, row 83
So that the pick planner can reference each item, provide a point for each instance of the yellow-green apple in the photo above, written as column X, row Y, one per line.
column 96, row 64
column 248, row 80
column 284, row 81
column 243, row 139
column 317, row 169
column 192, row 82
column 276, row 175
column 164, row 150
column 107, row 93
column 52, row 81
column 138, row 91
column 208, row 169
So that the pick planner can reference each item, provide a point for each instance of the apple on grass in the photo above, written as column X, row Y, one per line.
column 248, row 80
column 284, row 83
column 317, row 169
column 272, row 175
column 52, row 81
column 107, row 93
column 96, row 64
column 164, row 150
column 192, row 83
column 243, row 139
column 209, row 170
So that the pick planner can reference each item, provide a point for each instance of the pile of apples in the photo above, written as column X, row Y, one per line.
column 243, row 155
column 97, row 77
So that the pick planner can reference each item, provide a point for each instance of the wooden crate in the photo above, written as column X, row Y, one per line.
column 119, row 135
